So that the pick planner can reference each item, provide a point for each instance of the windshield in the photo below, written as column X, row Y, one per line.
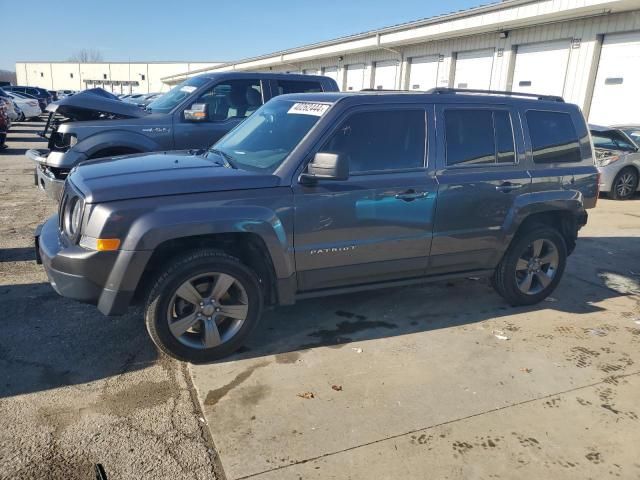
column 611, row 140
column 266, row 138
column 634, row 133
column 176, row 95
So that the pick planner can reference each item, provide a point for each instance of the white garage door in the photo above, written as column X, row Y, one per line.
column 331, row 72
column 423, row 74
column 541, row 68
column 473, row 69
column 616, row 96
column 385, row 75
column 355, row 77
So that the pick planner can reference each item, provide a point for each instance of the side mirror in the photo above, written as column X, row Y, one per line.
column 326, row 166
column 197, row 113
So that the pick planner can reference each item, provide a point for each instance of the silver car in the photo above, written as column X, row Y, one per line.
column 618, row 161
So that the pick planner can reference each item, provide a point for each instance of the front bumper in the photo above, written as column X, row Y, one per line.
column 45, row 177
column 86, row 275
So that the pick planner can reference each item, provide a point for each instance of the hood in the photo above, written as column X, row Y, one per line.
column 90, row 105
column 159, row 174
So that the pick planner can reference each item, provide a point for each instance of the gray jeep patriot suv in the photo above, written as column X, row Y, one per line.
column 194, row 114
column 317, row 194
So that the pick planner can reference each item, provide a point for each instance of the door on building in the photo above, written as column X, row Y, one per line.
column 616, row 96
column 331, row 72
column 541, row 67
column 473, row 69
column 385, row 75
column 423, row 73
column 355, row 77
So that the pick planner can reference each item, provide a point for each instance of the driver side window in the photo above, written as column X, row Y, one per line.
column 232, row 99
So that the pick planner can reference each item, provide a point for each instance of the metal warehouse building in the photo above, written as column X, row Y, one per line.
column 117, row 77
column 588, row 51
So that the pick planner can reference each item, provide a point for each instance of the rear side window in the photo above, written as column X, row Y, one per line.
column 478, row 137
column 381, row 140
column 297, row 86
column 553, row 137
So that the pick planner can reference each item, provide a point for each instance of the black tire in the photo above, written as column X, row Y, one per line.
column 504, row 278
column 626, row 173
column 176, row 274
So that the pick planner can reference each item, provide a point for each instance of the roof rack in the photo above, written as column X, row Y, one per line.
column 441, row 91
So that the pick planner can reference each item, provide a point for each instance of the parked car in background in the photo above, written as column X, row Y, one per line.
column 324, row 194
column 4, row 124
column 9, row 106
column 43, row 96
column 193, row 115
column 54, row 95
column 147, row 98
column 65, row 93
column 618, row 161
column 29, row 106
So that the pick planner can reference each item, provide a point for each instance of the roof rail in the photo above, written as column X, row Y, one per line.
column 551, row 98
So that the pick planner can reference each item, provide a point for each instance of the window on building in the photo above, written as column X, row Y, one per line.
column 553, row 137
column 41, row 74
column 104, row 75
column 142, row 76
column 232, row 99
column 478, row 137
column 382, row 140
column 71, row 75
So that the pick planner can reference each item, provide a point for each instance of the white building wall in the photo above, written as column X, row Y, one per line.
column 583, row 35
column 73, row 76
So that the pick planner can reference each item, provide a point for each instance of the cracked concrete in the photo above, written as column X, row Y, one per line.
column 77, row 388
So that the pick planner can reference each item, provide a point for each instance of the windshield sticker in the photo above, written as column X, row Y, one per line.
column 315, row 109
column 188, row 89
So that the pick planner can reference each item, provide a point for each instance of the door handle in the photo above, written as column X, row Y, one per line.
column 507, row 187
column 411, row 195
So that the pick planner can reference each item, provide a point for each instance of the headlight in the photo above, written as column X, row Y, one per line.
column 72, row 139
column 604, row 161
column 73, row 217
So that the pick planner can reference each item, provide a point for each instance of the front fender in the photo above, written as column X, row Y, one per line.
column 150, row 230
column 116, row 139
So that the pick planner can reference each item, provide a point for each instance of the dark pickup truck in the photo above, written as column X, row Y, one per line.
column 318, row 194
column 193, row 115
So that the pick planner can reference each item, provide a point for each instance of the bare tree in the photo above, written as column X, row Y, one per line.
column 86, row 55
column 8, row 76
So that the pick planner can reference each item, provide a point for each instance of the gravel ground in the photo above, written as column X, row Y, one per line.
column 77, row 388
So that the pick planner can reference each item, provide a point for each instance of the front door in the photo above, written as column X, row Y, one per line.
column 228, row 104
column 377, row 225
column 480, row 175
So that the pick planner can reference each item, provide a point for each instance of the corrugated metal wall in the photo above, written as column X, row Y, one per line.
column 583, row 36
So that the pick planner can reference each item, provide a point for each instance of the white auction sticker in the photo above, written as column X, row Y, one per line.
column 315, row 109
column 188, row 89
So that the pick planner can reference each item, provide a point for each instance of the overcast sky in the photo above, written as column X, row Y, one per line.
column 192, row 30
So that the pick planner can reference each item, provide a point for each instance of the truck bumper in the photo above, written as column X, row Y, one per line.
column 86, row 275
column 44, row 177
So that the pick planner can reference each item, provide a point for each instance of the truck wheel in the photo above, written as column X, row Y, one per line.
column 203, row 306
column 625, row 184
column 532, row 267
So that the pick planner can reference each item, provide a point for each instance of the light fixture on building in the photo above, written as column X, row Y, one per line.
column 503, row 34
column 340, row 58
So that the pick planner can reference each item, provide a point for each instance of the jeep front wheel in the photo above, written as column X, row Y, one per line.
column 532, row 267
column 203, row 306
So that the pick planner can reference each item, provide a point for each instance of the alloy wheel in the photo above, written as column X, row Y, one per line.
column 207, row 310
column 625, row 184
column 537, row 266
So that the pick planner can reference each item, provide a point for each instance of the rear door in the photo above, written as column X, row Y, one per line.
column 228, row 102
column 375, row 226
column 480, row 176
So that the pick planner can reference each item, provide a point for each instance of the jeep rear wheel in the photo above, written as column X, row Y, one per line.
column 203, row 306
column 532, row 267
